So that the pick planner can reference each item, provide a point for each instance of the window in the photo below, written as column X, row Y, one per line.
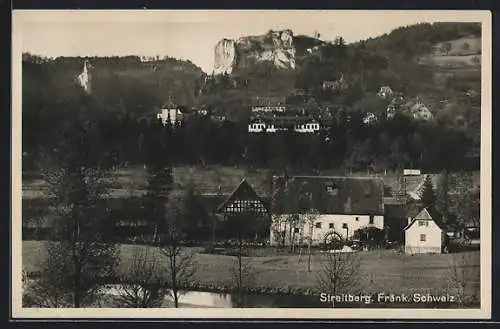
column 296, row 230
column 330, row 225
column 318, row 225
column 357, row 219
column 422, row 237
column 371, row 219
column 423, row 223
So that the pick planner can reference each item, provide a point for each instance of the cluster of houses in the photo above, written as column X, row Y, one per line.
column 271, row 115
column 416, row 108
column 324, row 207
column 327, row 206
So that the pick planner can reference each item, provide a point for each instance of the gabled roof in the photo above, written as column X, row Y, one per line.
column 244, row 191
column 425, row 214
column 328, row 195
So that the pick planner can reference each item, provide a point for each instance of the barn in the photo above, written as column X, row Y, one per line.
column 424, row 234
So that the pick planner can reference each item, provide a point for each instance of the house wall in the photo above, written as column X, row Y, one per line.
column 256, row 127
column 413, row 245
column 307, row 128
column 172, row 115
column 354, row 222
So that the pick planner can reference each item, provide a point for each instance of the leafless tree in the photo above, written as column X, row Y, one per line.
column 242, row 272
column 339, row 273
column 81, row 253
column 144, row 284
column 278, row 227
column 181, row 264
column 310, row 219
column 461, row 274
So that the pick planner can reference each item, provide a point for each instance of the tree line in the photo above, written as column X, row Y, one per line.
column 347, row 144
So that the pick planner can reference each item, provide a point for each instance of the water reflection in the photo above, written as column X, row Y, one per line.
column 223, row 300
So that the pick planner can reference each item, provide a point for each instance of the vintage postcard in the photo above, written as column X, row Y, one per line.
column 251, row 164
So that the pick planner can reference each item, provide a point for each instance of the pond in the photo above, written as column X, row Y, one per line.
column 204, row 299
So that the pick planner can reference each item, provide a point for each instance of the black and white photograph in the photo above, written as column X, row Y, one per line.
column 251, row 164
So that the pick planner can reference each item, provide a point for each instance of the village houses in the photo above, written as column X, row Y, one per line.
column 300, row 124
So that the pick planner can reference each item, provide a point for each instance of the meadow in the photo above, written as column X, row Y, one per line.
column 384, row 271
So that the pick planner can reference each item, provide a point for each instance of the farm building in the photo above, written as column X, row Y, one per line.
column 244, row 201
column 423, row 234
column 324, row 207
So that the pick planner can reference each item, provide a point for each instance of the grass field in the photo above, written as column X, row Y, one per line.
column 461, row 47
column 380, row 271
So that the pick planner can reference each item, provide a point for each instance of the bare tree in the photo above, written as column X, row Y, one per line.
column 242, row 272
column 181, row 264
column 339, row 273
column 278, row 227
column 143, row 285
column 461, row 274
column 310, row 219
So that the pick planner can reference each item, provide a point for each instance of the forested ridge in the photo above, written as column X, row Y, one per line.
column 127, row 92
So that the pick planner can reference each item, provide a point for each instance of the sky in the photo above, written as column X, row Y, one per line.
column 193, row 34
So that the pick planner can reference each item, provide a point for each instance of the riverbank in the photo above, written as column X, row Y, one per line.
column 379, row 272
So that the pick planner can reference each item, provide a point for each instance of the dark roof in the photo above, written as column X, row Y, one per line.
column 328, row 195
column 268, row 101
column 244, row 191
column 426, row 214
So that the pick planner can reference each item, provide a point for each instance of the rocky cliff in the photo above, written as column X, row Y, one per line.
column 277, row 47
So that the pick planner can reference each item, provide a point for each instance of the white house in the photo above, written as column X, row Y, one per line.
column 423, row 234
column 385, row 91
column 256, row 126
column 170, row 113
column 342, row 205
column 421, row 112
column 369, row 118
column 280, row 123
column 307, row 127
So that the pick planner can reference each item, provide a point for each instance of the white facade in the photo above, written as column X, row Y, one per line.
column 256, row 127
column 369, row 118
column 385, row 91
column 259, row 127
column 169, row 115
column 321, row 226
column 421, row 112
column 307, row 127
column 423, row 236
